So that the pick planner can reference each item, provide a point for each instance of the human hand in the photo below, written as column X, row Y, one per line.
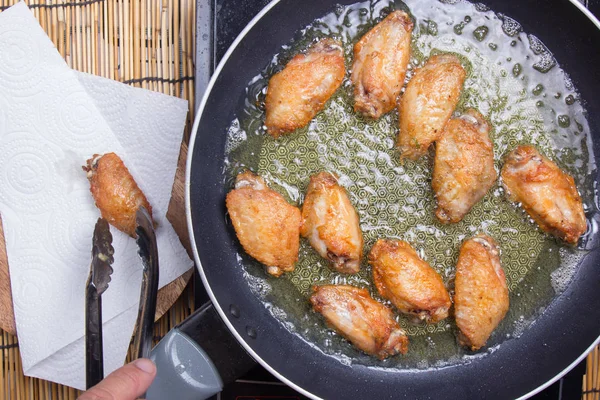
column 126, row 383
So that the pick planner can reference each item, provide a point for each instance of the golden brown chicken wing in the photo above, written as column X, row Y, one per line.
column 380, row 62
column 401, row 276
column 369, row 325
column 116, row 193
column 547, row 194
column 481, row 295
column 463, row 171
column 428, row 102
column 297, row 93
column 267, row 226
column 331, row 224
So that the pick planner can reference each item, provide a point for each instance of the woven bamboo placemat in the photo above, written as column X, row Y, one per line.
column 591, row 380
column 148, row 44
column 144, row 43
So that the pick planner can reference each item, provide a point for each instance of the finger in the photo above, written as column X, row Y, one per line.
column 126, row 383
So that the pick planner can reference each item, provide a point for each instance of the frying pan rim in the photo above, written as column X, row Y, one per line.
column 564, row 371
column 205, row 282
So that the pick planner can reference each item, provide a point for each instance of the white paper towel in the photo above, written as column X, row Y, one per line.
column 51, row 120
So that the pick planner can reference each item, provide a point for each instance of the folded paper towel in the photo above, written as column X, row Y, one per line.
column 51, row 120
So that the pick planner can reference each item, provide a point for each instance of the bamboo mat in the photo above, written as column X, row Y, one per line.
column 148, row 44
column 591, row 380
column 144, row 43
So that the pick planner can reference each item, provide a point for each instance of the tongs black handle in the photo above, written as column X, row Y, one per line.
column 148, row 252
column 97, row 283
column 94, row 371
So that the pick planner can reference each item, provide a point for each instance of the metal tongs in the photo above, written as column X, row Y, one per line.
column 148, row 252
column 97, row 283
column 100, row 271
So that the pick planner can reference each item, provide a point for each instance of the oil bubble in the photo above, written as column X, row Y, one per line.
column 251, row 332
column 546, row 61
column 234, row 310
column 493, row 46
column 538, row 89
column 481, row 32
column 517, row 69
column 431, row 28
column 564, row 121
column 561, row 277
column 570, row 99
column 509, row 26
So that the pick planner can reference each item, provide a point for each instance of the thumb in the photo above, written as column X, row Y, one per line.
column 126, row 383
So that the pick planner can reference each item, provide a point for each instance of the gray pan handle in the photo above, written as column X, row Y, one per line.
column 197, row 358
column 185, row 371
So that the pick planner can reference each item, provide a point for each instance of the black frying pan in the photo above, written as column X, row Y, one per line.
column 558, row 339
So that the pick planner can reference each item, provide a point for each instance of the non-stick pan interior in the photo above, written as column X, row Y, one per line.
column 285, row 300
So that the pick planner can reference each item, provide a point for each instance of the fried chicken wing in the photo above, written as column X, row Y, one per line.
column 401, row 276
column 369, row 325
column 481, row 296
column 115, row 192
column 297, row 93
column 463, row 170
column 428, row 102
column 547, row 194
column 331, row 224
column 380, row 62
column 267, row 226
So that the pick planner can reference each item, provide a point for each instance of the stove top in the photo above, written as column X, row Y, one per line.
column 219, row 22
